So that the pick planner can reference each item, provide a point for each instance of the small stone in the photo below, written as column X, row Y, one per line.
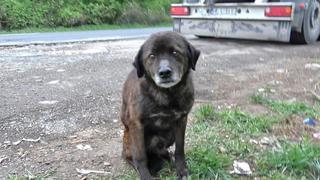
column 280, row 71
column 312, row 66
column 222, row 149
column 316, row 135
column 61, row 70
column 292, row 100
column 275, row 82
column 107, row 164
column 266, row 141
column 84, row 147
column 253, row 141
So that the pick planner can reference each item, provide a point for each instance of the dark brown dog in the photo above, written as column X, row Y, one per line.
column 157, row 98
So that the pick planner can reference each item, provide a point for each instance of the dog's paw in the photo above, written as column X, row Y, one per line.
column 147, row 177
column 183, row 174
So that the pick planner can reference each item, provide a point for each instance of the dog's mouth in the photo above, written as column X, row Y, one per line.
column 166, row 82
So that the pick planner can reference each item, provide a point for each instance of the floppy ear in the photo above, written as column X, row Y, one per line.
column 138, row 63
column 193, row 55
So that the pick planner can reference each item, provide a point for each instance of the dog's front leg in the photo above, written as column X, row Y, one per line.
column 138, row 150
column 181, row 166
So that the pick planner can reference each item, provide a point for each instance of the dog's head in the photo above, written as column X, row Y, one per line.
column 165, row 57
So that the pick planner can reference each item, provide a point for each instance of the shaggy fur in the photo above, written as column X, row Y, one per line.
column 155, row 107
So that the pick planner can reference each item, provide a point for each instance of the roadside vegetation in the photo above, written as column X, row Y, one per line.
column 21, row 14
column 83, row 28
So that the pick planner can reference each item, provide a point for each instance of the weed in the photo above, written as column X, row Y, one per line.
column 205, row 113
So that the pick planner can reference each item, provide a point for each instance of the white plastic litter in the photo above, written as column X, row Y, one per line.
column 241, row 168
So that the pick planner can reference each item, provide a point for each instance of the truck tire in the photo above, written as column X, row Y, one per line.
column 311, row 25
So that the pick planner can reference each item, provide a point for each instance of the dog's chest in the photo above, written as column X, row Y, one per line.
column 164, row 119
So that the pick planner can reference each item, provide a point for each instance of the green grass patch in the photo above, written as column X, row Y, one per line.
column 286, row 108
column 84, row 28
column 293, row 159
column 241, row 122
column 206, row 162
column 235, row 120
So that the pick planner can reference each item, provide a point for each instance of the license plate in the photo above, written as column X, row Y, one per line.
column 223, row 11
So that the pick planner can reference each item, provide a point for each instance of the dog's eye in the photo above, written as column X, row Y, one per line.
column 151, row 56
column 175, row 53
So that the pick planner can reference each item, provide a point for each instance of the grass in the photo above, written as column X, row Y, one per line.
column 285, row 108
column 236, row 121
column 218, row 137
column 84, row 28
column 207, row 162
column 29, row 175
column 294, row 159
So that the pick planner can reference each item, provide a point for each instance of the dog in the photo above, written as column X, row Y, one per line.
column 156, row 99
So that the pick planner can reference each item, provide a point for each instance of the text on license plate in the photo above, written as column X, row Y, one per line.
column 223, row 11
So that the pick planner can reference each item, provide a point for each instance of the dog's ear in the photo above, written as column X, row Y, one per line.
column 193, row 55
column 138, row 63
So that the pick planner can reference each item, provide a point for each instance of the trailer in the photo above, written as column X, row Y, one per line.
column 296, row 21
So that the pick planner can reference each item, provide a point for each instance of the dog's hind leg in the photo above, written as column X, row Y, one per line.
column 126, row 150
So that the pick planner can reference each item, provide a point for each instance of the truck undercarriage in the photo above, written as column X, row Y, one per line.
column 296, row 21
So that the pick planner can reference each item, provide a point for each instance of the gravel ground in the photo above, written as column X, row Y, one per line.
column 60, row 103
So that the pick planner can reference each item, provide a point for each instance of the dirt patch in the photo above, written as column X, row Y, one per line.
column 293, row 128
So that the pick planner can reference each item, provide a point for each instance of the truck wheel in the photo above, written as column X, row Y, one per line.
column 311, row 25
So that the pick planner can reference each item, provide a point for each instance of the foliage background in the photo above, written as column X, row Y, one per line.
column 17, row 14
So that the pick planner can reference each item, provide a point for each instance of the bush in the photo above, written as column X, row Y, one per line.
column 17, row 14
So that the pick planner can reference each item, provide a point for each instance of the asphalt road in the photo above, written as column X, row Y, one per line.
column 65, row 37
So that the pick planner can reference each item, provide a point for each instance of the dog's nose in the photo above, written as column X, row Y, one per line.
column 165, row 72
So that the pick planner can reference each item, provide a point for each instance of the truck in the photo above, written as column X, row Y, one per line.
column 295, row 21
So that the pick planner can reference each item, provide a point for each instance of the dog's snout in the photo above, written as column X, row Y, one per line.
column 165, row 72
